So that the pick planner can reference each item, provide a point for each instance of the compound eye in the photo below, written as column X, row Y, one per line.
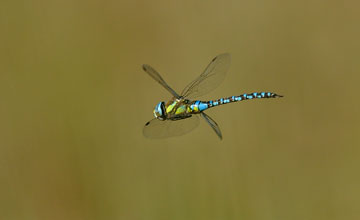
column 160, row 111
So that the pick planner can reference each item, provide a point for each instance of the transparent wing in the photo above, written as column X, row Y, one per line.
column 212, row 124
column 155, row 75
column 211, row 78
column 168, row 128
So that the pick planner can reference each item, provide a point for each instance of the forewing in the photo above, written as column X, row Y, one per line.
column 168, row 128
column 212, row 124
column 156, row 76
column 211, row 78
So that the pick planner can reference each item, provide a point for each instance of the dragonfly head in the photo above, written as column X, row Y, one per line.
column 160, row 111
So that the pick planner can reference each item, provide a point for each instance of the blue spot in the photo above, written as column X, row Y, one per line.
column 250, row 97
column 216, row 103
column 263, row 94
column 211, row 103
column 255, row 94
column 233, row 98
column 268, row 93
column 221, row 100
column 202, row 106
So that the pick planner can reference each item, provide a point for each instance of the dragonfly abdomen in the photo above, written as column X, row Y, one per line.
column 199, row 106
column 245, row 96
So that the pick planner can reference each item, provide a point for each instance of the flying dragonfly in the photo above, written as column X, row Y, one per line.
column 181, row 114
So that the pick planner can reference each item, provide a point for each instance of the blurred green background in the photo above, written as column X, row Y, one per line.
column 74, row 100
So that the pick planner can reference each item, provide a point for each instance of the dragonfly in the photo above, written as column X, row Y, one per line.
column 181, row 113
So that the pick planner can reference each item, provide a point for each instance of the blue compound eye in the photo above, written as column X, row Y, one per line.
column 159, row 111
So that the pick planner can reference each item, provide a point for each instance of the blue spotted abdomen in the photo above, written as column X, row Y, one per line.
column 199, row 106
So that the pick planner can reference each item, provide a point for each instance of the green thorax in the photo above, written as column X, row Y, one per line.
column 178, row 108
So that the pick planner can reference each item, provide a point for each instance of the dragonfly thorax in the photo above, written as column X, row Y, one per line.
column 160, row 111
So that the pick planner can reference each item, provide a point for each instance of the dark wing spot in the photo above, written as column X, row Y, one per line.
column 214, row 59
column 144, row 67
column 147, row 123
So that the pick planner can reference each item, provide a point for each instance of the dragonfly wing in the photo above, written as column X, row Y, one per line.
column 211, row 78
column 212, row 124
column 156, row 76
column 169, row 128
